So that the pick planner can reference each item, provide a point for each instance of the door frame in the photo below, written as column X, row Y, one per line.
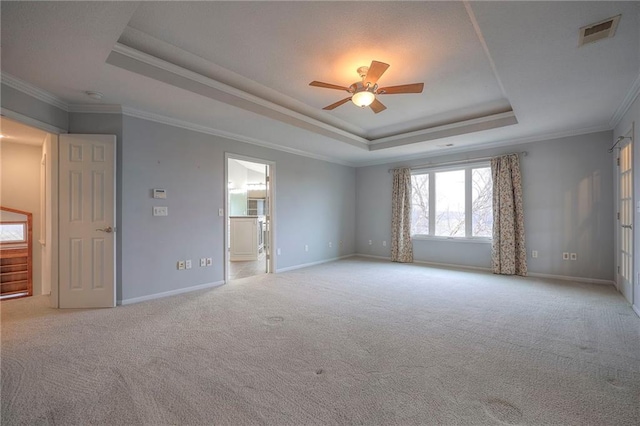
column 52, row 176
column 617, row 210
column 271, row 209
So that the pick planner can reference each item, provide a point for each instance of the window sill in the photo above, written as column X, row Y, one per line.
column 475, row 240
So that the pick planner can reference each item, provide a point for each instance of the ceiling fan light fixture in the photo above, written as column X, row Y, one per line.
column 363, row 98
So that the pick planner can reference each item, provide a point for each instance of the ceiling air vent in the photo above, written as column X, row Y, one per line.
column 598, row 31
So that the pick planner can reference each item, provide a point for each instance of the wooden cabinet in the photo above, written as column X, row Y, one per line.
column 15, row 272
column 243, row 241
column 15, row 253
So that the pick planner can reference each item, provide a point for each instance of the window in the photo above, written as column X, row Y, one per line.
column 453, row 202
column 13, row 232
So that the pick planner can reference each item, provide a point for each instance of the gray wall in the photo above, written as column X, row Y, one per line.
column 29, row 106
column 567, row 186
column 314, row 205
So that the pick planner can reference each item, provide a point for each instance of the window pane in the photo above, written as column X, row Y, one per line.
column 420, row 204
column 481, row 202
column 12, row 233
column 450, row 204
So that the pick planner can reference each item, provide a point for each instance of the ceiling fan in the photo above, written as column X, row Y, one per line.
column 364, row 93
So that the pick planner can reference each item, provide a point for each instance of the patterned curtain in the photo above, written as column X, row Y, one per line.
column 509, row 255
column 401, row 246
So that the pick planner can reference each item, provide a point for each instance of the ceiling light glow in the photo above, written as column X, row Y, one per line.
column 363, row 99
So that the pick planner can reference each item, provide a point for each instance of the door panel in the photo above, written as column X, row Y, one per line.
column 625, row 220
column 87, row 221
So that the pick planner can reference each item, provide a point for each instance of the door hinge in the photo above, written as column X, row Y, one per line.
column 618, row 161
column 618, row 215
column 618, row 269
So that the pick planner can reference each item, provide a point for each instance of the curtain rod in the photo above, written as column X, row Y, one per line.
column 468, row 160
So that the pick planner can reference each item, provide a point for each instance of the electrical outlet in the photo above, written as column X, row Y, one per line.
column 203, row 261
column 278, row 252
column 384, row 244
column 574, row 256
column 306, row 247
column 565, row 256
column 181, row 264
column 187, row 264
column 534, row 254
column 370, row 242
column 209, row 261
column 330, row 244
column 341, row 243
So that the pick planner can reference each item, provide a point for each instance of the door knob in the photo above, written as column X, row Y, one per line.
column 108, row 229
column 627, row 226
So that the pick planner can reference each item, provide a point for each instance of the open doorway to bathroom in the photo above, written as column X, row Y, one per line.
column 249, row 217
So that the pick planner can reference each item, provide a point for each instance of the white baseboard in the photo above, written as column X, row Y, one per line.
column 480, row 268
column 373, row 256
column 169, row 293
column 568, row 278
column 450, row 265
column 636, row 309
column 436, row 264
column 306, row 265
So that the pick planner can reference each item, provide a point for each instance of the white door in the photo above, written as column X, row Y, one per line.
column 625, row 219
column 87, row 221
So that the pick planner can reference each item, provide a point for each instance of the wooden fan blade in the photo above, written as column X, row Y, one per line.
column 337, row 104
column 375, row 72
column 377, row 106
column 328, row 86
column 404, row 88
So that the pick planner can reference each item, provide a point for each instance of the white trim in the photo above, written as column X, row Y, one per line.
column 576, row 279
column 626, row 103
column 453, row 266
column 452, row 126
column 319, row 262
column 169, row 293
column 96, row 108
column 31, row 121
column 33, row 91
column 636, row 310
column 490, row 145
column 372, row 256
column 199, row 78
column 484, row 269
column 132, row 112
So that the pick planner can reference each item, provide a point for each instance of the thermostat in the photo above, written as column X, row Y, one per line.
column 159, row 193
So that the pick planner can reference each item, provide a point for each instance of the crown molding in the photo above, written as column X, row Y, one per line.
column 33, row 91
column 491, row 145
column 293, row 116
column 132, row 112
column 31, row 121
column 626, row 103
column 448, row 130
column 96, row 108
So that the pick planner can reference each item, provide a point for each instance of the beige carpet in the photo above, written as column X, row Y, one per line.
column 357, row 341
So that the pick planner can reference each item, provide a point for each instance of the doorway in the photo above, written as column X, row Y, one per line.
column 249, row 216
column 27, row 163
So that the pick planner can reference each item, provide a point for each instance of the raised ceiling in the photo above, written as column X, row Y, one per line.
column 494, row 72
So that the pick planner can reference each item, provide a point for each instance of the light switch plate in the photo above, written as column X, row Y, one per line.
column 160, row 211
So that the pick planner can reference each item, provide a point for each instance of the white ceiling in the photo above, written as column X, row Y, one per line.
column 494, row 72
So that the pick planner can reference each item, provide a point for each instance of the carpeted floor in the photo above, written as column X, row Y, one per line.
column 357, row 341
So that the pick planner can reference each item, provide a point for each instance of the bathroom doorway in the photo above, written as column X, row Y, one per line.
column 249, row 217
